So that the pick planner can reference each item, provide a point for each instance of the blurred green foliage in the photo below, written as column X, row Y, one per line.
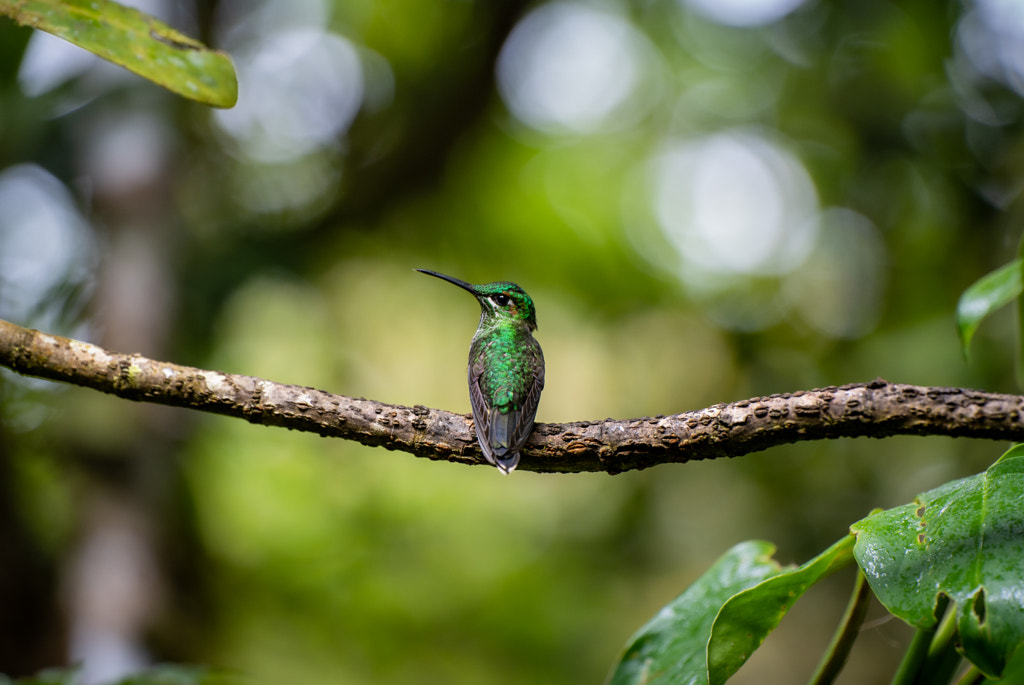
column 870, row 151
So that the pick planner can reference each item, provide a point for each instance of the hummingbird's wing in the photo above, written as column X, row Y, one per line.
column 481, row 412
column 523, row 422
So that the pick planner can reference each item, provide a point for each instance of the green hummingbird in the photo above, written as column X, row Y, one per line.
column 506, row 369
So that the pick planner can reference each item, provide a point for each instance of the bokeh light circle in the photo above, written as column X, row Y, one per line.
column 573, row 68
column 734, row 203
column 299, row 90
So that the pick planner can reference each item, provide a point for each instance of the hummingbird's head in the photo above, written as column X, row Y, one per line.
column 500, row 301
column 504, row 300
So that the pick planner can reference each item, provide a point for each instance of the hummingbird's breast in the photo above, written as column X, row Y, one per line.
column 506, row 360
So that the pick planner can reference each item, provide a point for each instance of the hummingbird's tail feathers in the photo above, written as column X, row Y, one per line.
column 501, row 427
column 494, row 432
column 507, row 464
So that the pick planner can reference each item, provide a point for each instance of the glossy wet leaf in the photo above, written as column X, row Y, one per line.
column 964, row 540
column 984, row 296
column 750, row 616
column 709, row 631
column 137, row 42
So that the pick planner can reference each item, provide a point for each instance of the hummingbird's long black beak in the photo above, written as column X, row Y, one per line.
column 461, row 284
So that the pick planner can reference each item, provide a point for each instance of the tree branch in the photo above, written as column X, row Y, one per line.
column 877, row 409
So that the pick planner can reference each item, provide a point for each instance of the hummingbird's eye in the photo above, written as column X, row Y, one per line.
column 501, row 299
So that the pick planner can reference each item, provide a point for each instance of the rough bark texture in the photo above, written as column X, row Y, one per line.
column 877, row 409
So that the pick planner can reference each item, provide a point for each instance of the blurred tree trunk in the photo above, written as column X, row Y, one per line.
column 114, row 586
column 31, row 634
column 118, row 578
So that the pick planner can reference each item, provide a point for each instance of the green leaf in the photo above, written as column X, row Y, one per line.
column 964, row 540
column 1014, row 672
column 986, row 295
column 672, row 647
column 135, row 41
column 706, row 633
column 750, row 616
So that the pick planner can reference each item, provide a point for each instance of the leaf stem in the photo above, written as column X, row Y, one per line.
column 972, row 677
column 846, row 632
column 943, row 659
column 917, row 652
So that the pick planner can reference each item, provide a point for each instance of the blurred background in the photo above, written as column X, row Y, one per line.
column 707, row 199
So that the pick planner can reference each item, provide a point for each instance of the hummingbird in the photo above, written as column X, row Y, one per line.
column 506, row 369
